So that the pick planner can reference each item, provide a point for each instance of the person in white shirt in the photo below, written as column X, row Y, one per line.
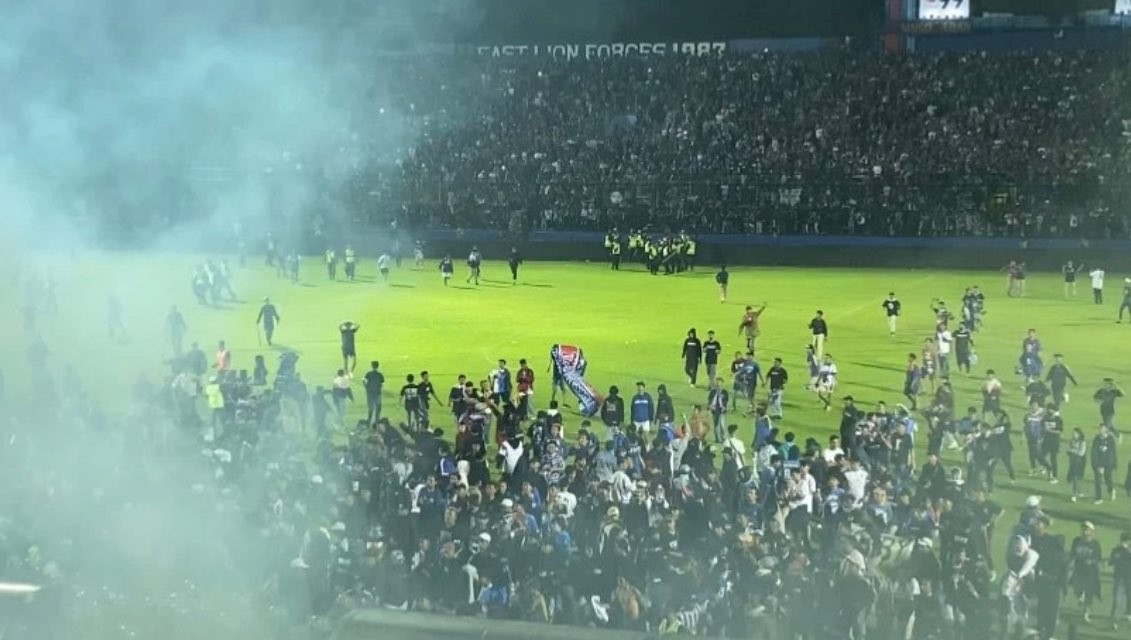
column 943, row 342
column 802, row 489
column 1097, row 276
column 826, row 381
column 622, row 485
column 735, row 443
column 832, row 451
column 511, row 455
column 857, row 480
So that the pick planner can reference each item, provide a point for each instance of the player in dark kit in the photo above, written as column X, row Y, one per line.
column 513, row 261
column 349, row 349
column 331, row 264
column 269, row 317
column 722, row 278
column 692, row 355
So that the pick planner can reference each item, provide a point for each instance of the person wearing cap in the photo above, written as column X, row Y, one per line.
column 1105, row 397
column 268, row 317
column 1126, row 302
column 1084, row 558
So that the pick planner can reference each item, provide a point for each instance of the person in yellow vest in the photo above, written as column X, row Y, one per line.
column 215, row 398
column 351, row 263
column 614, row 254
column 332, row 264
column 690, row 253
column 670, row 625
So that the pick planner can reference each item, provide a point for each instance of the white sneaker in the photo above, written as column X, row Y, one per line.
column 1098, row 502
column 1073, row 499
column 1053, row 481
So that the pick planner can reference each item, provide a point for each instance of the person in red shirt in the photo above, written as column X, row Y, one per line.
column 525, row 380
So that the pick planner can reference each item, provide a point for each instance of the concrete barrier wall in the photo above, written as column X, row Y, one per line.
column 823, row 251
column 372, row 624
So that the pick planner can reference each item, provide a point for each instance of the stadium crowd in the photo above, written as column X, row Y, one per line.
column 477, row 504
column 839, row 141
column 473, row 502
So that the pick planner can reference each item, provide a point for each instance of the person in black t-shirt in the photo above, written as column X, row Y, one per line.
column 612, row 410
column 1106, row 397
column 711, row 350
column 692, row 355
column 426, row 392
column 349, row 348
column 457, row 398
column 374, row 383
column 776, row 378
column 410, row 396
column 514, row 261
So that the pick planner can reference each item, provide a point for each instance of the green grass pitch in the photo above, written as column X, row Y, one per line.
column 629, row 323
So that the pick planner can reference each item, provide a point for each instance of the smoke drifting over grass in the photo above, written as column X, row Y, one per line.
column 160, row 124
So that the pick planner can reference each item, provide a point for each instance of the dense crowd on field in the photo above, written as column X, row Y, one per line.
column 485, row 496
column 827, row 142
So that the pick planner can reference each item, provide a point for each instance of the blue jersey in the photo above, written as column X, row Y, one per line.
column 642, row 408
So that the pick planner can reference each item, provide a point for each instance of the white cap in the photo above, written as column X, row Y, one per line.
column 485, row 537
column 1033, row 501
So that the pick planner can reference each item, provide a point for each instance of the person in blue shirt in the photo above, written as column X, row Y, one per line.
column 643, row 410
column 1030, row 363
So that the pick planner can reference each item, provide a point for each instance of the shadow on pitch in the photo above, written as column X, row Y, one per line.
column 401, row 286
column 538, row 285
column 881, row 367
column 277, row 346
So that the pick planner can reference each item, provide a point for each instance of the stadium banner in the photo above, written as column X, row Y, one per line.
column 603, row 50
column 1122, row 7
column 944, row 9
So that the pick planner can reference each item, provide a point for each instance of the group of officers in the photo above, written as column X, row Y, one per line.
column 670, row 253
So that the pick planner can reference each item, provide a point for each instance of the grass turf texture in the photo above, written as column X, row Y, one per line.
column 631, row 326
